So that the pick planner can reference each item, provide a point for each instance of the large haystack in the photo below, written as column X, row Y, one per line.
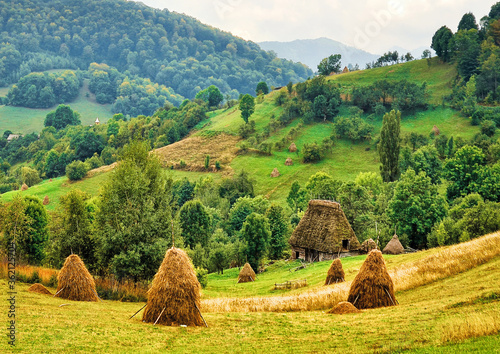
column 275, row 173
column 323, row 232
column 292, row 147
column 288, row 162
column 335, row 273
column 372, row 287
column 39, row 288
column 394, row 246
column 174, row 296
column 368, row 245
column 46, row 200
column 246, row 274
column 75, row 282
column 343, row 308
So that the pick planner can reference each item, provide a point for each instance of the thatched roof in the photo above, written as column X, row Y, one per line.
column 275, row 173
column 174, row 296
column 343, row 307
column 292, row 147
column 46, row 200
column 335, row 273
column 288, row 162
column 246, row 274
column 39, row 288
column 368, row 245
column 394, row 246
column 323, row 227
column 372, row 287
column 74, row 281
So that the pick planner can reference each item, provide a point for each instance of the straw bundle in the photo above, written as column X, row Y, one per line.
column 24, row 187
column 368, row 245
column 246, row 274
column 75, row 282
column 372, row 287
column 275, row 173
column 335, row 273
column 435, row 130
column 292, row 147
column 288, row 162
column 46, row 200
column 394, row 246
column 39, row 288
column 174, row 296
column 343, row 307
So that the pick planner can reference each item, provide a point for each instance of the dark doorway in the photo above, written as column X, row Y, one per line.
column 297, row 254
column 345, row 244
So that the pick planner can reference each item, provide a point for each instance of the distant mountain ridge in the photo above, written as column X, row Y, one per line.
column 311, row 51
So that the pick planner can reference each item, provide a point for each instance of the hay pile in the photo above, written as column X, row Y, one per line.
column 323, row 227
column 39, row 288
column 275, row 173
column 292, row 147
column 394, row 246
column 372, row 287
column 24, row 187
column 75, row 282
column 335, row 273
column 174, row 296
column 46, row 200
column 288, row 162
column 246, row 274
column 368, row 245
column 435, row 130
column 343, row 307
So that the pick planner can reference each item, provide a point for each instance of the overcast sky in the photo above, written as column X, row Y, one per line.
column 374, row 25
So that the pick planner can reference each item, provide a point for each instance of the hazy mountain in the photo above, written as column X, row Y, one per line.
column 311, row 51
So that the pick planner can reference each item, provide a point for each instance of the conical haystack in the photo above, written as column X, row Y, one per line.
column 275, row 173
column 246, row 274
column 335, row 273
column 46, row 200
column 39, row 288
column 368, row 245
column 288, row 162
column 435, row 130
column 372, row 287
column 343, row 307
column 24, row 187
column 292, row 147
column 75, row 282
column 174, row 296
column 394, row 246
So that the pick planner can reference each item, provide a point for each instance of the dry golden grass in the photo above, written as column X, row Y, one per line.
column 459, row 328
column 26, row 271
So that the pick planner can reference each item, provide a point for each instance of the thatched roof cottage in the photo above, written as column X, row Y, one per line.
column 323, row 233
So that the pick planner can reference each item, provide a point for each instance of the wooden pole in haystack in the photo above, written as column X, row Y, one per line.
column 138, row 311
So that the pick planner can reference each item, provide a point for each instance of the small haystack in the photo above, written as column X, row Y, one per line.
column 275, row 173
column 372, row 287
column 39, row 289
column 46, row 200
column 75, row 282
column 292, row 147
column 335, row 273
column 246, row 274
column 174, row 296
column 343, row 308
column 288, row 162
column 368, row 245
column 24, row 187
column 394, row 246
column 435, row 130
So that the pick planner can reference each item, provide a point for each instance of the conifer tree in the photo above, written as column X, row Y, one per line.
column 389, row 145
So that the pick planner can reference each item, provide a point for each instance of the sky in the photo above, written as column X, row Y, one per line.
column 373, row 25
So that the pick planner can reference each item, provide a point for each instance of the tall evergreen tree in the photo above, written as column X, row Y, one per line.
column 195, row 223
column 256, row 234
column 389, row 145
column 279, row 227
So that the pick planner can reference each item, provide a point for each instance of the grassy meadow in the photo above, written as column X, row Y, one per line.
column 456, row 311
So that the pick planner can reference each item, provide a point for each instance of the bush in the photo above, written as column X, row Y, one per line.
column 311, row 152
column 34, row 278
column 202, row 275
column 488, row 128
column 76, row 170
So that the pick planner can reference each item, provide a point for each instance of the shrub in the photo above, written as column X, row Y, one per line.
column 311, row 152
column 488, row 128
column 202, row 275
column 76, row 170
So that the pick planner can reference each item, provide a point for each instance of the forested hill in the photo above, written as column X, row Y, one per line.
column 171, row 49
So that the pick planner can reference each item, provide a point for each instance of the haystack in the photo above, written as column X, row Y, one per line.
column 174, row 296
column 368, row 245
column 343, row 308
column 435, row 130
column 288, row 162
column 39, row 288
column 24, row 187
column 46, row 200
column 292, row 147
column 335, row 273
column 394, row 246
column 75, row 282
column 372, row 287
column 246, row 274
column 275, row 173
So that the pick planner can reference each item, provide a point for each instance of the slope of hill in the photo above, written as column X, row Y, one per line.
column 312, row 51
